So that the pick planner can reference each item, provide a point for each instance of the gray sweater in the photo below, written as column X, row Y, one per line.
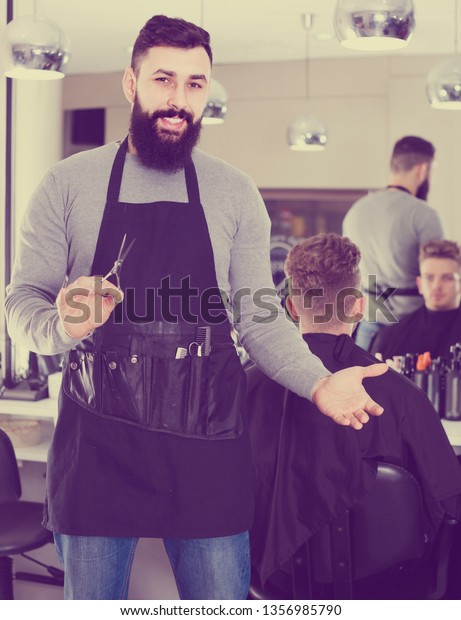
column 389, row 227
column 58, row 241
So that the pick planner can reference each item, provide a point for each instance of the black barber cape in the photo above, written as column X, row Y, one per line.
column 308, row 469
column 418, row 332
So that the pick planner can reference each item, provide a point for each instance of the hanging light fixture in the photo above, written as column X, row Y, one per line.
column 216, row 106
column 307, row 133
column 374, row 25
column 443, row 85
column 37, row 49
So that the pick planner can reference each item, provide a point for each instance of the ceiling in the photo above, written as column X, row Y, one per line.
column 101, row 31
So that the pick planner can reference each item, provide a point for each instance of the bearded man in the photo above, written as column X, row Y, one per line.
column 389, row 226
column 151, row 440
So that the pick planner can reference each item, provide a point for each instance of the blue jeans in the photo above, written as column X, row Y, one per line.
column 98, row 567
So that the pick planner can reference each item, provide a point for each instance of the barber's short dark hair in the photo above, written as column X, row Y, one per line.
column 162, row 31
column 409, row 152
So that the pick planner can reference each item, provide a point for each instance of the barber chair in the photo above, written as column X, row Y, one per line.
column 375, row 550
column 20, row 523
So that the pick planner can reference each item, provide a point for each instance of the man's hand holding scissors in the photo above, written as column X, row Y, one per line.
column 88, row 302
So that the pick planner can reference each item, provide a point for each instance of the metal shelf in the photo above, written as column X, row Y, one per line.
column 45, row 408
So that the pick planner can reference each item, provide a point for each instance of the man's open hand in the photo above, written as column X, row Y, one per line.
column 343, row 398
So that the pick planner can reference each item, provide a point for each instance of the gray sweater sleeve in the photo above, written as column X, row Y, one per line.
column 39, row 273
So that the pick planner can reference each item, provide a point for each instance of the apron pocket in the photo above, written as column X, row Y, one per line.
column 198, row 397
column 123, row 387
column 79, row 379
column 170, row 384
column 226, row 393
column 196, row 414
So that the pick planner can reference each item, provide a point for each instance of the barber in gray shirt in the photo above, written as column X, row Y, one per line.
column 151, row 440
column 389, row 226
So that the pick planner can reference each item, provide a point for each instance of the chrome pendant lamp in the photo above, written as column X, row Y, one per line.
column 374, row 25
column 216, row 107
column 37, row 49
column 443, row 85
column 307, row 133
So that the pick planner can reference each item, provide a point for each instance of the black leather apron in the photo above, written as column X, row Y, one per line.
column 135, row 451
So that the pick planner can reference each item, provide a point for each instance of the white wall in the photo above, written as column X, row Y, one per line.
column 366, row 103
column 37, row 137
column 37, row 144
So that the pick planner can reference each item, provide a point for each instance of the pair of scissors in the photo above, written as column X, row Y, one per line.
column 115, row 271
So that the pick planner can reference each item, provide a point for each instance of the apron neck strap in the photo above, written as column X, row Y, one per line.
column 192, row 183
column 115, row 181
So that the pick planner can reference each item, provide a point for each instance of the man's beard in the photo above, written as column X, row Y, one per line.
column 160, row 148
column 423, row 190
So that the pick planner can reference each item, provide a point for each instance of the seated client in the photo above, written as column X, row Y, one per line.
column 308, row 470
column 436, row 325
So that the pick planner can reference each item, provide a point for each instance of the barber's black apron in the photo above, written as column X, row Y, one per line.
column 149, row 443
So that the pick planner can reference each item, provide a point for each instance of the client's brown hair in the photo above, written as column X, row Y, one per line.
column 441, row 248
column 328, row 262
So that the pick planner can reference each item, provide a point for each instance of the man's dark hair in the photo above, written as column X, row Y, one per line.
column 409, row 152
column 162, row 31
